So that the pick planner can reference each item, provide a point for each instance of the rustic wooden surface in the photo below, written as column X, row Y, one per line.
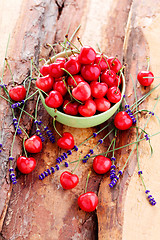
column 43, row 210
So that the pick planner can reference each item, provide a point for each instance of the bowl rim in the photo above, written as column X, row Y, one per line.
column 69, row 53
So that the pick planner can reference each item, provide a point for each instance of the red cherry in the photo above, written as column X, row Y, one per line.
column 98, row 89
column 45, row 83
column 60, row 87
column 90, row 72
column 114, row 64
column 55, row 69
column 54, row 100
column 88, row 109
column 66, row 141
column 77, row 78
column 102, row 104
column 88, row 201
column 145, row 81
column 82, row 92
column 72, row 65
column 17, row 93
column 101, row 61
column 108, row 77
column 114, row 95
column 87, row 55
column 101, row 164
column 70, row 108
column 122, row 121
column 60, row 59
column 33, row 144
column 44, row 70
column 68, row 180
column 26, row 165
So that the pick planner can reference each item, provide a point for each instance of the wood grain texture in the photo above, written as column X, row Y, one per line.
column 42, row 209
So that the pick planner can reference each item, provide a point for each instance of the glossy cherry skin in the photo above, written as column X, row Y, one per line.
column 17, row 93
column 122, row 121
column 54, row 100
column 114, row 64
column 77, row 78
column 72, row 65
column 44, row 70
column 68, row 180
column 88, row 201
column 70, row 108
column 66, row 141
column 60, row 87
column 82, row 92
column 26, row 165
column 109, row 77
column 145, row 81
column 33, row 144
column 101, row 164
column 114, row 95
column 102, row 104
column 98, row 89
column 60, row 59
column 55, row 69
column 87, row 55
column 90, row 72
column 45, row 83
column 101, row 61
column 88, row 109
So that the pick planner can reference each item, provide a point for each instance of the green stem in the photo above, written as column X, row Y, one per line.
column 109, row 147
column 54, row 125
column 87, row 181
column 24, row 148
column 103, row 153
column 10, row 71
column 76, row 165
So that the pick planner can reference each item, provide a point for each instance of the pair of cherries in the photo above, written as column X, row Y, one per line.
column 34, row 145
column 89, row 200
column 86, row 68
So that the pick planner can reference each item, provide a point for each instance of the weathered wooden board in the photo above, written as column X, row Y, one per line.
column 42, row 209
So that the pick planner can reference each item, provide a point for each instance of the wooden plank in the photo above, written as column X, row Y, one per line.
column 43, row 210
column 131, row 213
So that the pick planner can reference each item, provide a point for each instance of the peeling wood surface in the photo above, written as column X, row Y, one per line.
column 34, row 209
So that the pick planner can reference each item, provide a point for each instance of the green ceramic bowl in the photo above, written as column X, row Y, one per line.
column 81, row 122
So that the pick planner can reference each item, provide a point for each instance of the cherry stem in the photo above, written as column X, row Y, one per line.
column 10, row 70
column 43, row 59
column 54, row 125
column 24, row 148
column 40, row 74
column 114, row 60
column 54, row 54
column 40, row 90
column 89, row 173
column 76, row 165
column 109, row 147
column 148, row 63
column 70, row 75
column 64, row 107
column 74, row 33
column 71, row 43
column 78, row 38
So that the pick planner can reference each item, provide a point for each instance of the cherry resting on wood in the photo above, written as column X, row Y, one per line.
column 68, row 180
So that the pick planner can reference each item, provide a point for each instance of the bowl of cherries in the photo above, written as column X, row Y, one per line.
column 82, row 89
